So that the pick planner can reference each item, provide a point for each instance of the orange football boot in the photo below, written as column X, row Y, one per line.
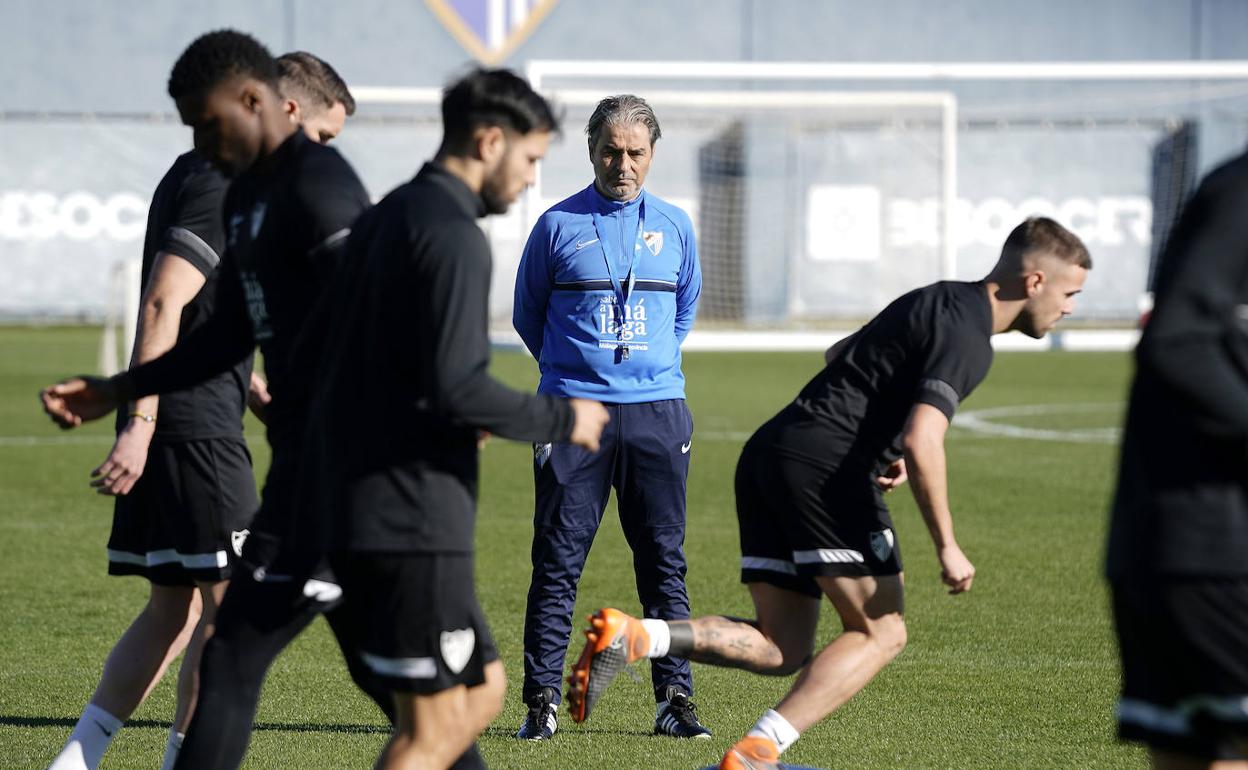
column 613, row 640
column 752, row 752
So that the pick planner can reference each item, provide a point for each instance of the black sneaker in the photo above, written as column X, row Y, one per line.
column 679, row 718
column 540, row 724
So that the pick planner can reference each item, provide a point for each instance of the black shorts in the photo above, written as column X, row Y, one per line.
column 186, row 518
column 797, row 521
column 1184, row 647
column 425, row 631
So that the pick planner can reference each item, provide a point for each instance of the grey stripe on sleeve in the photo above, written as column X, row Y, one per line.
column 188, row 245
column 942, row 389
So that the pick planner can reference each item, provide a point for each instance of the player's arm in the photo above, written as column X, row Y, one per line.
column 462, row 386
column 923, row 443
column 1195, row 340
column 534, row 282
column 222, row 341
column 258, row 397
column 688, row 284
column 174, row 282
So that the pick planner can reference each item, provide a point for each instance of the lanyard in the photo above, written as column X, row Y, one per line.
column 622, row 290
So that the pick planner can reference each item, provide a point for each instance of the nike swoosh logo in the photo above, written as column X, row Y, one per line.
column 582, row 244
column 684, row 448
column 107, row 733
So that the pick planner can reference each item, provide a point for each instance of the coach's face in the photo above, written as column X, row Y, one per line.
column 510, row 167
column 621, row 156
column 227, row 121
column 1051, row 284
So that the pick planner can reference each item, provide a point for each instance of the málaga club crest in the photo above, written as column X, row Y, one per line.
column 490, row 29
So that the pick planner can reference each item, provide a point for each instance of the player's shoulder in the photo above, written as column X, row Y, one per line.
column 1230, row 178
column 321, row 161
column 191, row 172
column 949, row 305
column 430, row 212
column 960, row 302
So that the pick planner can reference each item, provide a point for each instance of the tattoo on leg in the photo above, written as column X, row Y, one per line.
column 734, row 643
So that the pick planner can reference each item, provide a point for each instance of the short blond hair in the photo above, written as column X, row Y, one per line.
column 1044, row 235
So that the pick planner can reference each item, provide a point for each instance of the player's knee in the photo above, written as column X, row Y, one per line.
column 889, row 634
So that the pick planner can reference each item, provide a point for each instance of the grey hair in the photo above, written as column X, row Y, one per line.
column 622, row 110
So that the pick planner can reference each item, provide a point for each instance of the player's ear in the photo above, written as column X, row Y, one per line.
column 291, row 108
column 251, row 96
column 1034, row 282
column 491, row 144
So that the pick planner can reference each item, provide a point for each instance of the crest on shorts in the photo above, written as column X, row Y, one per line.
column 490, row 30
column 457, row 648
column 882, row 543
column 237, row 539
column 653, row 241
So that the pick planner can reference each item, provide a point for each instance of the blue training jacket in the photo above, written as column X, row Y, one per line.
column 565, row 303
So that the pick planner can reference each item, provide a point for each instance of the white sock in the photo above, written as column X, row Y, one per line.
column 660, row 637
column 89, row 740
column 172, row 747
column 777, row 728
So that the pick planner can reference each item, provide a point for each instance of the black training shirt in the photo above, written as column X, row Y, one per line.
column 1181, row 507
column 404, row 380
column 286, row 219
column 185, row 220
column 932, row 346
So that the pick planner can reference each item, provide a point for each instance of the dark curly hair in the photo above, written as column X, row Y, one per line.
column 309, row 78
column 218, row 55
column 493, row 97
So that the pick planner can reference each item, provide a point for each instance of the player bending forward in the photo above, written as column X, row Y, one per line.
column 810, row 486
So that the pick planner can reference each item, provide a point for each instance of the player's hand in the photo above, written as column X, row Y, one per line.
column 483, row 438
column 956, row 570
column 124, row 465
column 590, row 418
column 258, row 397
column 893, row 476
column 78, row 400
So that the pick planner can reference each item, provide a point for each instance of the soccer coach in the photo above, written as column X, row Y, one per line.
column 606, row 291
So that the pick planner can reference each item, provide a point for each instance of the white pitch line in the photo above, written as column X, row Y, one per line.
column 981, row 421
column 24, row 441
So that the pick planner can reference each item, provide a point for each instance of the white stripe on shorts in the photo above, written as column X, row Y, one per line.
column 828, row 556
column 1228, row 708
column 771, row 565
column 1153, row 717
column 1176, row 720
column 169, row 556
column 408, row 668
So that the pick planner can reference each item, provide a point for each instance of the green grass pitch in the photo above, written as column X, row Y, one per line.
column 1019, row 673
